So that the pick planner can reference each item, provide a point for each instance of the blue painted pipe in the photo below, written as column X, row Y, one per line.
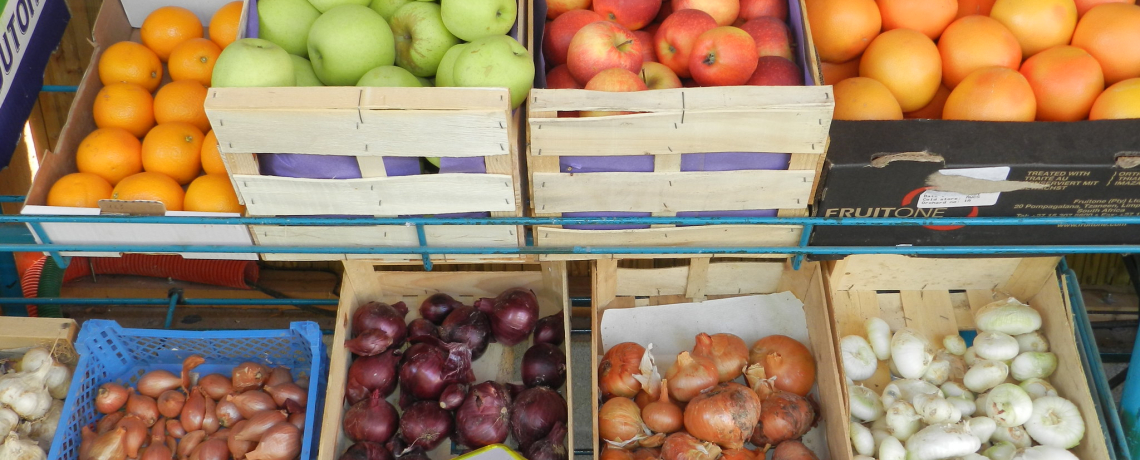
column 59, row 89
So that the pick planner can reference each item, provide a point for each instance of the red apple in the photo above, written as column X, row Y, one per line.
column 560, row 78
column 724, row 11
column 664, row 12
column 724, row 56
column 632, row 14
column 658, row 76
column 615, row 81
column 603, row 45
column 556, row 8
column 560, row 31
column 675, row 37
column 646, row 40
column 752, row 9
column 771, row 35
column 776, row 71
column 652, row 29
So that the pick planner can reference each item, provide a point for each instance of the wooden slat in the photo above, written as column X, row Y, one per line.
column 1026, row 280
column 682, row 191
column 852, row 308
column 682, row 99
column 891, row 310
column 388, row 196
column 663, row 164
column 897, row 272
column 722, row 278
column 387, row 235
column 929, row 312
column 696, row 284
column 220, row 99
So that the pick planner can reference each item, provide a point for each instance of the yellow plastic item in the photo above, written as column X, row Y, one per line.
column 492, row 452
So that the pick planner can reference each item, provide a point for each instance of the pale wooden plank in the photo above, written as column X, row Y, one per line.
column 682, row 99
column 570, row 257
column 665, row 163
column 682, row 191
column 386, row 196
column 303, row 98
column 604, row 276
column 387, row 235
column 1026, row 280
column 696, row 282
column 510, row 165
column 898, row 272
column 929, row 312
column 720, row 235
column 979, row 298
column 963, row 315
column 643, row 282
column 371, row 166
column 468, row 284
column 891, row 310
column 743, row 278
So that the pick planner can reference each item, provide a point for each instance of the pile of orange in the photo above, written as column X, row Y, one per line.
column 153, row 139
column 985, row 60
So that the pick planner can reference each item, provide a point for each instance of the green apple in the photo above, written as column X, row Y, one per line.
column 303, row 69
column 497, row 61
column 286, row 23
column 387, row 8
column 475, row 19
column 421, row 38
column 253, row 62
column 425, row 82
column 389, row 76
column 443, row 75
column 325, row 5
column 348, row 41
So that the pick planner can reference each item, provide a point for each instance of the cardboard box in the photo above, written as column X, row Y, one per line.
column 936, row 168
column 30, row 31
column 119, row 20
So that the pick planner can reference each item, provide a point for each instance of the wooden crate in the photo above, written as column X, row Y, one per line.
column 939, row 296
column 366, row 281
column 18, row 334
column 700, row 279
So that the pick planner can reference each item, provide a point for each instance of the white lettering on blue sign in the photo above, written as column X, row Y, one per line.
column 17, row 23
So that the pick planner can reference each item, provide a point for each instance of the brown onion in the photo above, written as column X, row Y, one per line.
column 211, row 449
column 216, row 386
column 619, row 420
column 724, row 415
column 86, row 438
column 647, row 453
column 738, row 454
column 157, row 450
column 258, row 424
column 227, row 413
column 153, row 383
column 174, row 427
column 144, row 407
column 662, row 416
column 109, row 446
column 187, row 444
column 288, row 391
column 239, row 448
column 193, row 411
column 690, row 375
column 682, row 446
column 786, row 359
column 793, row 450
column 170, row 403
column 615, row 373
column 189, row 364
column 297, row 419
column 135, row 434
column 252, row 402
column 759, row 381
column 643, row 399
column 281, row 442
column 727, row 351
column 210, row 422
column 278, row 376
column 652, row 441
column 249, row 376
column 612, row 453
column 784, row 416
column 109, row 422
column 111, row 398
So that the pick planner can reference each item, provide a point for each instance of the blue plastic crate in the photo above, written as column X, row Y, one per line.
column 110, row 353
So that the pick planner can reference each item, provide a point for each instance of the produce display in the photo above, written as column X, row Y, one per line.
column 991, row 400
column 256, row 413
column 982, row 60
column 623, row 46
column 438, row 395
column 32, row 390
column 701, row 408
column 153, row 140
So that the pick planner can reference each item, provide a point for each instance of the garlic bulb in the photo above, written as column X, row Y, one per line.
column 34, row 359
column 15, row 448
column 26, row 392
column 58, row 380
column 8, row 421
column 43, row 430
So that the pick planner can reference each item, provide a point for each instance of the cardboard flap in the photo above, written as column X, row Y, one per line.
column 131, row 208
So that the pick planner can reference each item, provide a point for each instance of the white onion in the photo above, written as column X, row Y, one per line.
column 892, row 449
column 970, row 357
column 1015, row 435
column 965, row 406
column 980, row 402
column 985, row 374
column 936, row 409
column 954, row 344
column 1033, row 364
column 938, row 372
column 1032, row 341
column 879, row 336
column 1055, row 422
column 1044, row 453
column 1009, row 405
column 997, row 346
column 910, row 353
column 982, row 427
column 902, row 420
column 1038, row 388
column 862, row 440
column 942, row 441
column 1003, row 450
column 859, row 361
column 1008, row 316
column 865, row 404
column 906, row 390
column 953, row 389
column 958, row 365
column 879, row 436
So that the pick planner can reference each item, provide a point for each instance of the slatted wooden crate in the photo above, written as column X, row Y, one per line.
column 617, row 284
column 939, row 297
column 366, row 281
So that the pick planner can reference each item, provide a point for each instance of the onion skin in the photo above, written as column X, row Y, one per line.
column 109, row 445
column 170, row 403
column 662, row 416
column 211, row 449
column 484, row 417
column 544, row 365
column 134, row 436
column 109, row 422
column 419, row 328
column 619, row 420
column 612, row 453
column 366, row 451
column 728, row 353
column 383, row 317
column 175, row 428
column 468, row 326
column 725, row 415
column 550, row 329
column 513, row 316
column 210, row 422
column 281, row 442
column 784, row 416
column 298, row 420
column 111, row 398
column 429, row 366
column 252, row 402
column 227, row 413
column 786, row 359
column 216, row 386
column 551, row 447
column 238, row 448
column 249, row 376
column 738, row 454
column 155, row 382
column 793, row 450
column 436, row 307
column 187, row 444
column 258, row 424
column 453, row 396
column 689, row 376
column 373, row 419
column 615, row 373
column 371, row 373
column 288, row 391
column 425, row 425
column 534, row 413
column 144, row 407
column 277, row 376
column 682, row 446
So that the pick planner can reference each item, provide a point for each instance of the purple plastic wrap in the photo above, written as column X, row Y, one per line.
column 328, row 166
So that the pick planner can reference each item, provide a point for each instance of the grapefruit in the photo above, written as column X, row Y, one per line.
column 907, row 62
column 973, row 42
column 1065, row 80
column 862, row 98
column 991, row 94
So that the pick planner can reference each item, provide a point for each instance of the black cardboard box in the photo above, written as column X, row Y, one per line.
column 937, row 168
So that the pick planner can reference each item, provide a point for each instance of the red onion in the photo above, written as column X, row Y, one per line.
column 484, row 417
column 370, row 373
column 515, row 389
column 437, row 307
column 468, row 326
column 513, row 315
column 421, row 327
column 453, row 396
column 373, row 419
column 534, row 414
column 415, row 456
column 552, row 447
column 406, row 400
column 544, row 365
column 429, row 366
column 365, row 450
column 395, row 445
column 783, row 416
column 372, row 342
column 550, row 329
column 425, row 425
column 379, row 315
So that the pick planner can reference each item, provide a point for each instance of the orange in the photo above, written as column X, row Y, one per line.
column 1111, row 33
column 933, row 110
column 1121, row 100
column 211, row 157
column 835, row 73
column 1083, row 6
column 174, row 149
column 907, row 62
column 167, row 27
column 842, row 29
column 79, row 190
column 968, row 7
column 1037, row 24
column 193, row 60
column 212, row 193
column 150, row 186
column 927, row 16
column 861, row 98
column 224, row 24
column 991, row 94
column 184, row 101
column 124, row 105
column 973, row 42
column 130, row 62
column 110, row 153
column 1066, row 81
